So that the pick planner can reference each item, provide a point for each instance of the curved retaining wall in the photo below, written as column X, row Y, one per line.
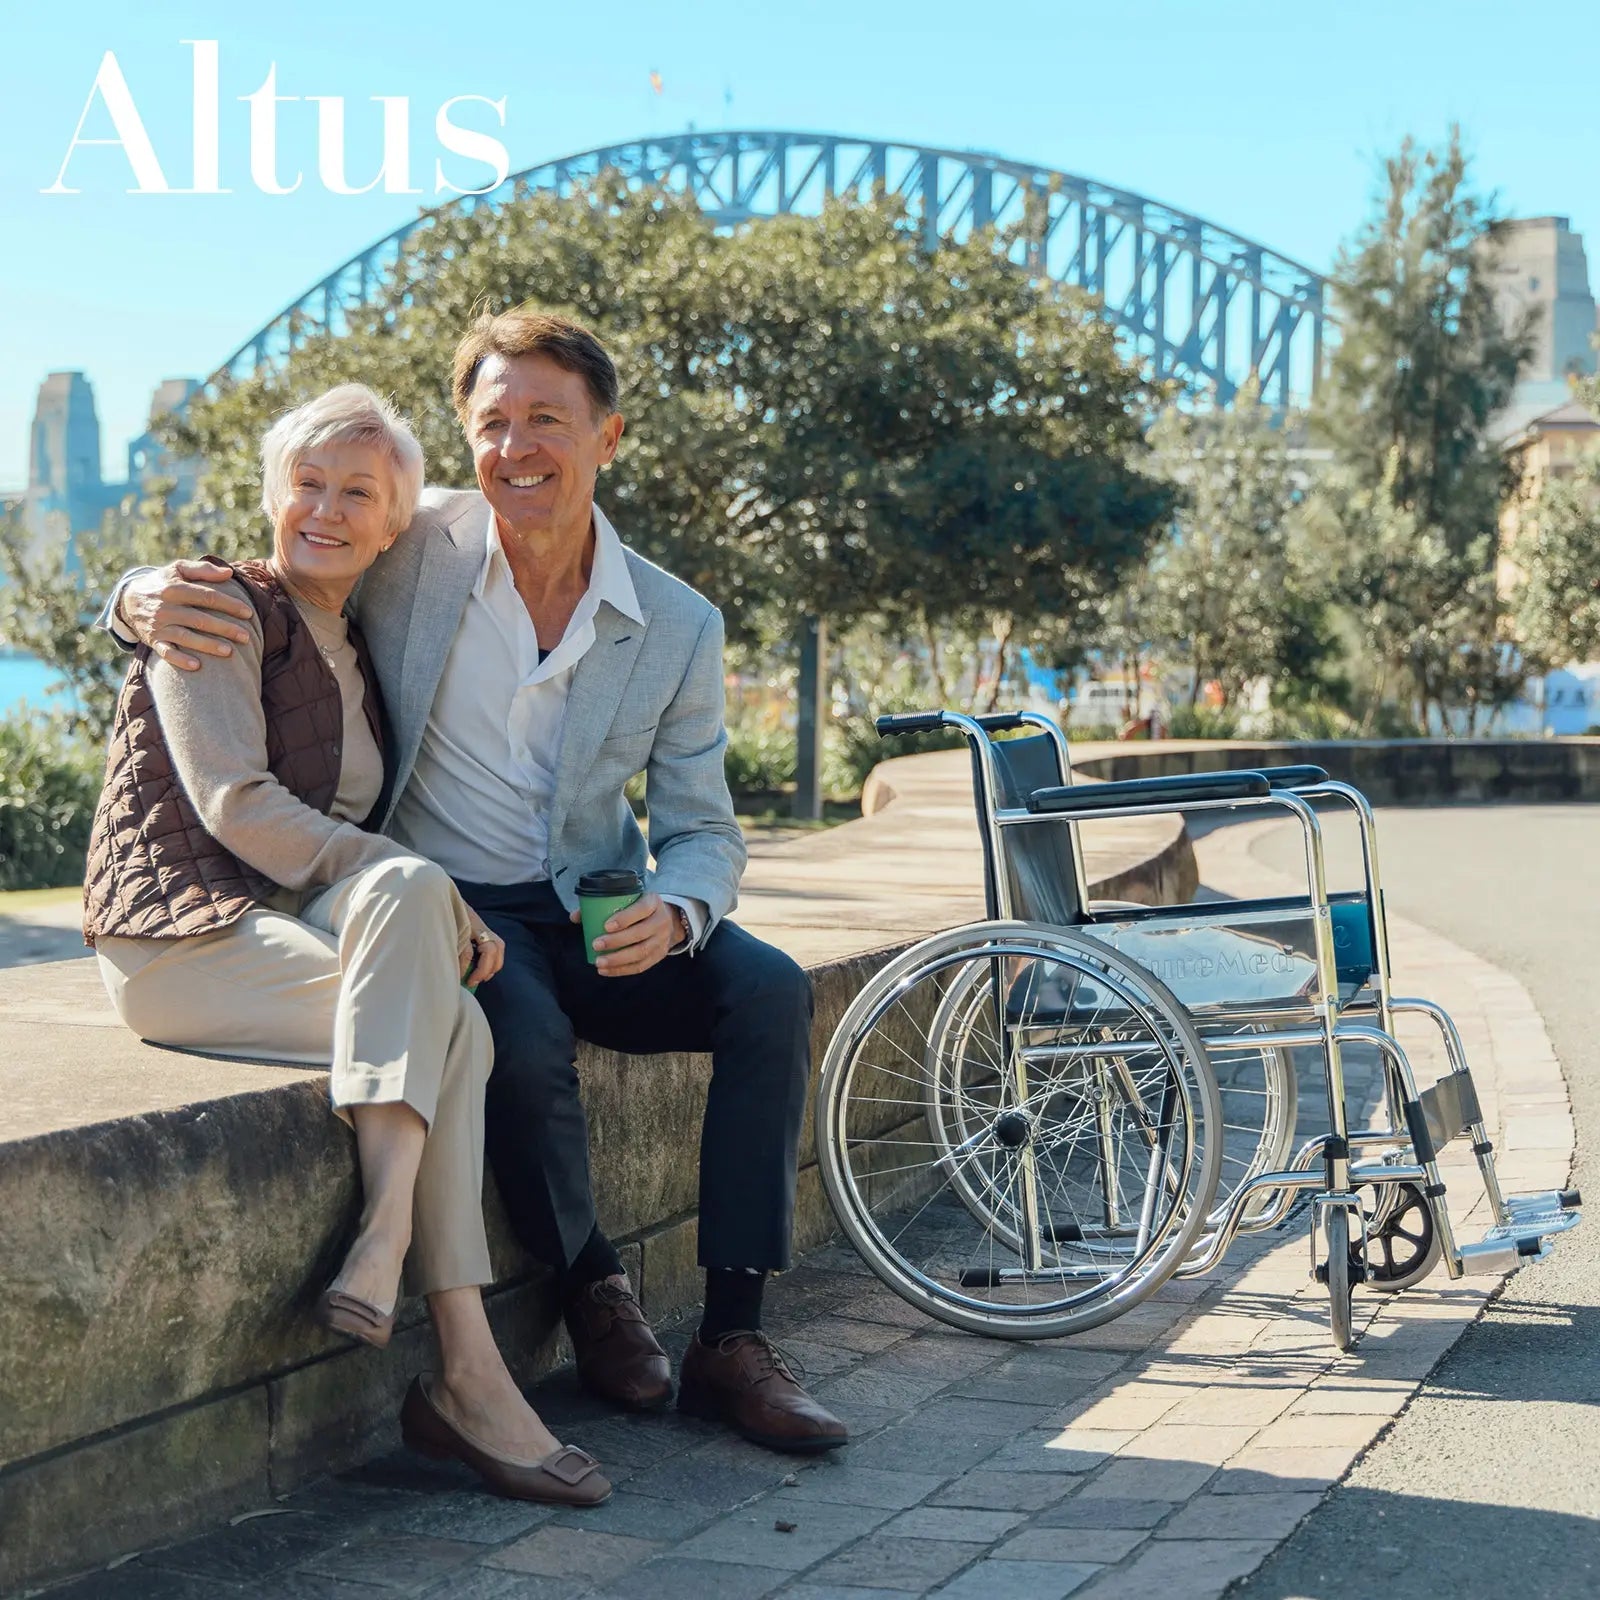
column 1387, row 771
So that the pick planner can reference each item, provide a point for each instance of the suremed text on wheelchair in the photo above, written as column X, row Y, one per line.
column 1026, row 1125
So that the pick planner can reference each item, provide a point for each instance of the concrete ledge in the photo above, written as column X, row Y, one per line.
column 1387, row 771
column 166, row 1219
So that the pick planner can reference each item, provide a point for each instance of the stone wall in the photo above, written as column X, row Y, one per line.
column 1387, row 771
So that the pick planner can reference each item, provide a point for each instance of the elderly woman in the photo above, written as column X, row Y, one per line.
column 237, row 905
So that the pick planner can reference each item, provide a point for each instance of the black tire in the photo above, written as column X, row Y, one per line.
column 1336, row 1225
column 1405, row 1247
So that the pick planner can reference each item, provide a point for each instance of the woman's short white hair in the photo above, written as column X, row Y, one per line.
column 350, row 413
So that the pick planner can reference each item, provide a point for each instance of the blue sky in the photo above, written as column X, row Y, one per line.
column 1268, row 119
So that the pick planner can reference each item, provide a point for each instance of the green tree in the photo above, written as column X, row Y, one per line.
column 1558, row 552
column 1237, row 593
column 1422, row 366
column 51, row 590
column 823, row 416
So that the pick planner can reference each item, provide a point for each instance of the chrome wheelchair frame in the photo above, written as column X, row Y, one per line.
column 1123, row 958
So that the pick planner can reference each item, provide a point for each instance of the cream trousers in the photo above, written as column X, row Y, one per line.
column 364, row 980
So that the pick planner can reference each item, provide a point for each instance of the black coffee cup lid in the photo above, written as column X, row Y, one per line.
column 611, row 880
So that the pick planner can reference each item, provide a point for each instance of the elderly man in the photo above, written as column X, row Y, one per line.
column 533, row 664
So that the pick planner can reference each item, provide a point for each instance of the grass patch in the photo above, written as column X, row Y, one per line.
column 16, row 902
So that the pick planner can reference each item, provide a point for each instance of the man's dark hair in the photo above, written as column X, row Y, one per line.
column 524, row 332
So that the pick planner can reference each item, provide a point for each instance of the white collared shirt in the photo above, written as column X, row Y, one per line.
column 478, row 800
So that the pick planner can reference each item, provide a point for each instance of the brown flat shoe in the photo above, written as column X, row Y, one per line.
column 566, row 1477
column 343, row 1313
column 617, row 1354
column 746, row 1381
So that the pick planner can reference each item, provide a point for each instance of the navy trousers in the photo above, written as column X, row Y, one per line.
column 746, row 1003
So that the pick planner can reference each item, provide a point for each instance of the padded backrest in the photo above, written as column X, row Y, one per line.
column 1038, row 861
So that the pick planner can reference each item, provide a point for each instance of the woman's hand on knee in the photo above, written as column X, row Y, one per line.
column 486, row 953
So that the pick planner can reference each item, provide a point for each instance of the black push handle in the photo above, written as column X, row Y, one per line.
column 1000, row 721
column 908, row 722
column 1301, row 777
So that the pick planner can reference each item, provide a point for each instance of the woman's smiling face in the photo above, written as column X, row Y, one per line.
column 336, row 519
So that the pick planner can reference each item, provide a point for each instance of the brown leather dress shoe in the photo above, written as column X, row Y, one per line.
column 618, row 1356
column 745, row 1380
column 565, row 1477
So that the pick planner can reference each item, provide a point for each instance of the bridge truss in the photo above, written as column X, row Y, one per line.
column 1191, row 300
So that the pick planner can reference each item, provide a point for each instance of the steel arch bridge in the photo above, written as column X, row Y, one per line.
column 1192, row 300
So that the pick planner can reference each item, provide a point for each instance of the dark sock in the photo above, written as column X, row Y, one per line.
column 733, row 1302
column 596, row 1260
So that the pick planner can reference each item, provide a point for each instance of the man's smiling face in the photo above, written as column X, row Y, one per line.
column 538, row 442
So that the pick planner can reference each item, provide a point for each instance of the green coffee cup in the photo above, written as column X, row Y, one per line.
column 601, row 895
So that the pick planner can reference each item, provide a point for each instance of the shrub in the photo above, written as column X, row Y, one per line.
column 49, row 783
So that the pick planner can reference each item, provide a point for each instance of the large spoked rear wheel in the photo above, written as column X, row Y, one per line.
column 1065, row 1163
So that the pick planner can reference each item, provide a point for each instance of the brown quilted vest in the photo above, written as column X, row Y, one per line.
column 153, row 870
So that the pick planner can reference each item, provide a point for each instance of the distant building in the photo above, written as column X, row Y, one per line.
column 1543, row 268
column 1545, row 447
column 66, row 495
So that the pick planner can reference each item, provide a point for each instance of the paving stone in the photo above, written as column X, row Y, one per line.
column 943, row 1355
column 249, row 1551
column 641, row 1516
column 1198, row 1570
column 675, row 1578
column 493, row 1583
column 913, row 1565
column 878, row 1304
column 1257, row 1471
column 344, row 1504
column 1128, row 1478
column 709, row 1479
column 1132, row 1404
column 1241, row 1516
column 949, row 1522
column 1192, row 1442
column 928, row 1450
column 871, row 1385
column 1041, row 1383
column 475, row 1517
column 1104, row 1512
column 405, row 1469
column 1346, row 1428
column 136, row 1581
column 1003, row 1417
column 558, row 1551
column 993, row 1579
column 316, row 1586
column 1233, row 1404
column 751, row 1537
column 1069, row 1450
column 842, row 1482
column 846, row 1334
column 830, row 1591
column 1101, row 1546
column 400, row 1561
column 1003, row 1491
column 821, row 1360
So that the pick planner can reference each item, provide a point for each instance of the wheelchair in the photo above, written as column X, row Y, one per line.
column 1026, row 1125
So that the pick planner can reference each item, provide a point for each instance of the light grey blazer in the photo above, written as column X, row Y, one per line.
column 643, row 699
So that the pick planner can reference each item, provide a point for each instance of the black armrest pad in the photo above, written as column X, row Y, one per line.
column 1176, row 791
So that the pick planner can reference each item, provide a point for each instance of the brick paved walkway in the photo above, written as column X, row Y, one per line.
column 1165, row 1454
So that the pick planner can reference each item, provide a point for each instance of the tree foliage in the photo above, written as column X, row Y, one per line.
column 1558, row 552
column 823, row 416
column 1237, row 593
column 1414, row 495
